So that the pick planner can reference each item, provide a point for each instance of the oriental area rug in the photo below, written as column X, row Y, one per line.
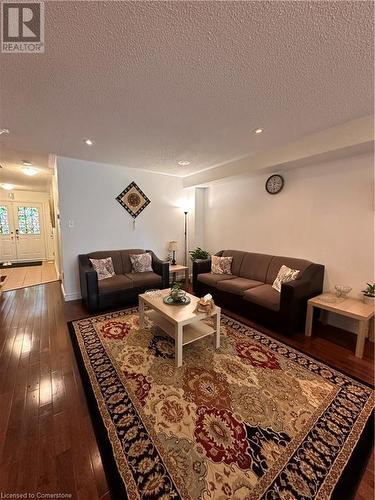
column 254, row 419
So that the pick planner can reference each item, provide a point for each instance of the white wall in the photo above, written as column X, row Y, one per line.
column 325, row 213
column 87, row 198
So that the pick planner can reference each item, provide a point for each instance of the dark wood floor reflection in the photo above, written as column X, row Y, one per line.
column 47, row 442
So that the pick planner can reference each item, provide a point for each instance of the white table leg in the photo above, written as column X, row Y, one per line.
column 141, row 308
column 217, row 333
column 362, row 330
column 309, row 318
column 178, row 345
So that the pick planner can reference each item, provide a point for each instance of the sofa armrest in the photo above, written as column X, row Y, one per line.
column 89, row 283
column 293, row 290
column 200, row 266
column 309, row 285
column 296, row 293
column 161, row 268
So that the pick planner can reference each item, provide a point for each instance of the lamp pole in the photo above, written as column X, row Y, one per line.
column 186, row 237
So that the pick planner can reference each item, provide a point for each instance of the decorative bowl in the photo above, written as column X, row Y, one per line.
column 342, row 290
column 153, row 292
column 177, row 294
column 181, row 302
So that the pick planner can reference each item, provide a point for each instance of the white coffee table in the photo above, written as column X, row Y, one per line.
column 179, row 321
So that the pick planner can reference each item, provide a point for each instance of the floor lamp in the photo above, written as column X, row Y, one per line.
column 186, row 237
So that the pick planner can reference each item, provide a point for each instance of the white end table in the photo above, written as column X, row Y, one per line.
column 178, row 268
column 349, row 307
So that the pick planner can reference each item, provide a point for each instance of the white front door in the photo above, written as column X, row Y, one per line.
column 29, row 226
column 8, row 249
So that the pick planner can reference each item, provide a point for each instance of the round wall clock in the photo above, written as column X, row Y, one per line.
column 274, row 184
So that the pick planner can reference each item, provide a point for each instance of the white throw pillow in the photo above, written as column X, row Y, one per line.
column 104, row 268
column 284, row 275
column 141, row 262
column 221, row 265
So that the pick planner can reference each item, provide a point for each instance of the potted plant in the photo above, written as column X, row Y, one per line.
column 199, row 254
column 369, row 293
column 177, row 293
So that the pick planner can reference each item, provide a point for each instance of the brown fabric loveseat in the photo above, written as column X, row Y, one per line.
column 248, row 291
column 124, row 287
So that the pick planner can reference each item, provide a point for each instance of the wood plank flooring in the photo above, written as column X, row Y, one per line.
column 21, row 277
column 47, row 442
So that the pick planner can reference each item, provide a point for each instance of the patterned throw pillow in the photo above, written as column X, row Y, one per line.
column 284, row 275
column 104, row 268
column 141, row 263
column 221, row 265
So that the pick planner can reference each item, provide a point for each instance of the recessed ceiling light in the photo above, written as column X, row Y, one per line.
column 26, row 163
column 7, row 187
column 29, row 171
column 4, row 131
column 184, row 163
column 258, row 131
column 89, row 142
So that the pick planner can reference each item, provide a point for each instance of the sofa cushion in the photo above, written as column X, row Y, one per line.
column 255, row 266
column 221, row 265
column 147, row 279
column 141, row 262
column 237, row 285
column 126, row 264
column 103, row 267
column 115, row 256
column 211, row 279
column 237, row 260
column 284, row 275
column 115, row 283
column 277, row 262
column 263, row 295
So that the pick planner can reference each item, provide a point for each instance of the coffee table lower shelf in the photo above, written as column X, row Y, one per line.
column 191, row 332
column 183, row 323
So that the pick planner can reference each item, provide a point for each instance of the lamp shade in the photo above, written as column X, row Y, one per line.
column 172, row 246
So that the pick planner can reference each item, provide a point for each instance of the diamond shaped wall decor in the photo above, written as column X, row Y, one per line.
column 133, row 199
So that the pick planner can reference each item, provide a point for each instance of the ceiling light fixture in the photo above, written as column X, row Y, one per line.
column 89, row 142
column 258, row 131
column 7, row 187
column 26, row 163
column 184, row 163
column 29, row 171
column 4, row 131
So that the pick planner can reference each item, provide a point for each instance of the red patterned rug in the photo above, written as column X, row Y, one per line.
column 254, row 419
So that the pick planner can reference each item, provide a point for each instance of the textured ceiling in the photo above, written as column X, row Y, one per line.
column 11, row 173
column 157, row 82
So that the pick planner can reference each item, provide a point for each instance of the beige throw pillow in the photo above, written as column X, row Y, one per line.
column 104, row 268
column 221, row 265
column 141, row 263
column 284, row 275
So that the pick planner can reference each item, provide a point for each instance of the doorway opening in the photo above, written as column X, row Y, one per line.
column 27, row 225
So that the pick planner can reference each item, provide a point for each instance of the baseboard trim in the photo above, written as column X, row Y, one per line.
column 70, row 296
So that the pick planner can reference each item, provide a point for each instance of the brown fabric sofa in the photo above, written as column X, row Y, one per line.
column 248, row 291
column 124, row 287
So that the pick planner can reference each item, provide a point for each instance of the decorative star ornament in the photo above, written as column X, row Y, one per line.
column 133, row 199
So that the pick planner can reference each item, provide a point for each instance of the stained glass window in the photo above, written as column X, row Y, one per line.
column 4, row 221
column 28, row 220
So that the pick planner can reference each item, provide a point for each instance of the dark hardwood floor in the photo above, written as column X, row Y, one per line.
column 47, row 442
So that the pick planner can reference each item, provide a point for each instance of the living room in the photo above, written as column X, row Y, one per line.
column 204, row 173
